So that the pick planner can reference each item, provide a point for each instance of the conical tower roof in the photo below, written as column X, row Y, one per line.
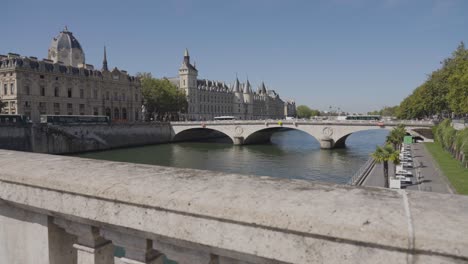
column 236, row 87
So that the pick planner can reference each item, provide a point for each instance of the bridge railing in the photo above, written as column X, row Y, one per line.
column 301, row 121
column 56, row 209
column 362, row 172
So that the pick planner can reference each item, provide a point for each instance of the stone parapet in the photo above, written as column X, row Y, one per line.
column 195, row 216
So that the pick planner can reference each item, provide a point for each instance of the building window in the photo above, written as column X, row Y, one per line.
column 42, row 88
column 42, row 76
column 95, row 95
column 56, row 108
column 136, row 115
column 69, row 92
column 70, row 109
column 108, row 112
column 42, row 108
column 123, row 97
column 82, row 109
column 124, row 113
column 27, row 90
column 116, row 113
column 27, row 104
column 95, row 111
column 5, row 89
column 81, row 93
column 116, row 97
column 136, row 97
column 12, row 88
column 107, row 95
column 56, row 92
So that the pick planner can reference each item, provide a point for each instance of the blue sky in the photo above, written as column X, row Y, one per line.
column 358, row 55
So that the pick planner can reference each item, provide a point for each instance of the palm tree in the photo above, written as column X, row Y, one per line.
column 396, row 136
column 385, row 154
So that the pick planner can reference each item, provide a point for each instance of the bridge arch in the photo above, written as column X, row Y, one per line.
column 199, row 134
column 263, row 135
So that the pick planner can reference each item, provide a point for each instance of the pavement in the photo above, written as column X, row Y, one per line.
column 427, row 176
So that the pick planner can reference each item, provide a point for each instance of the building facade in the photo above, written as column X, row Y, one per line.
column 208, row 99
column 63, row 84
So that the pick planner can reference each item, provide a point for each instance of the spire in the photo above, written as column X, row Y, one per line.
column 104, row 61
column 236, row 86
column 248, row 89
column 262, row 88
column 186, row 57
column 65, row 29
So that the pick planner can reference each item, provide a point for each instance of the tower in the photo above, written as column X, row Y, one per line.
column 187, row 75
column 248, row 100
column 104, row 61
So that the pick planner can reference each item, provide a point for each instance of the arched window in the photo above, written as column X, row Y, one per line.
column 116, row 113
column 108, row 112
column 124, row 113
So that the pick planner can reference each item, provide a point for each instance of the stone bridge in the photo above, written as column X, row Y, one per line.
column 68, row 210
column 330, row 134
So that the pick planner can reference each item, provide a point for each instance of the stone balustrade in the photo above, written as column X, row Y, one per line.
column 56, row 209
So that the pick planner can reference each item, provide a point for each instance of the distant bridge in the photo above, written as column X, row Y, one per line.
column 330, row 134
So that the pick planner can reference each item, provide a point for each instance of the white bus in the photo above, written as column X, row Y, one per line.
column 224, row 118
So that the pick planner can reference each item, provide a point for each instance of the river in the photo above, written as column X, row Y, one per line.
column 292, row 154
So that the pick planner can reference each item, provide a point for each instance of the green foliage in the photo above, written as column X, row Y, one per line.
column 457, row 175
column 304, row 111
column 162, row 99
column 450, row 139
column 2, row 104
column 445, row 90
column 384, row 155
column 386, row 111
column 396, row 136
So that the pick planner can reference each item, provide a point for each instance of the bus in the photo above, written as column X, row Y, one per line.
column 360, row 117
column 6, row 119
column 218, row 118
column 74, row 119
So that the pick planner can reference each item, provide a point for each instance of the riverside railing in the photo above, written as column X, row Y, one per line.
column 362, row 173
column 57, row 209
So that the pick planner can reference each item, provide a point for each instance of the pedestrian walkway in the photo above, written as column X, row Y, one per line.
column 426, row 175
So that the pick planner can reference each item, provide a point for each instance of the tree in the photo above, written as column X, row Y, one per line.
column 2, row 104
column 445, row 90
column 384, row 155
column 303, row 111
column 163, row 100
column 396, row 136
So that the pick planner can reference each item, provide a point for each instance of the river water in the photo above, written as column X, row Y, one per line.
column 292, row 154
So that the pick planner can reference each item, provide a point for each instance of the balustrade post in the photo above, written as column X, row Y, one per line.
column 137, row 250
column 91, row 247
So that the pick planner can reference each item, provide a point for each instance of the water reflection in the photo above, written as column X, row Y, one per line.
column 292, row 154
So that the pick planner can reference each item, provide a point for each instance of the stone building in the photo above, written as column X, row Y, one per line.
column 290, row 108
column 63, row 84
column 208, row 99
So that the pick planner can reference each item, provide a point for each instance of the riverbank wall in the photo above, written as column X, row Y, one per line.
column 65, row 139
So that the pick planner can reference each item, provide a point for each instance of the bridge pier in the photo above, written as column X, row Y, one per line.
column 238, row 141
column 327, row 143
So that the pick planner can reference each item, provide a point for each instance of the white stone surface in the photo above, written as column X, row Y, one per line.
column 247, row 218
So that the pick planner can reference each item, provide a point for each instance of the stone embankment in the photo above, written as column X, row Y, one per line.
column 57, row 209
column 62, row 139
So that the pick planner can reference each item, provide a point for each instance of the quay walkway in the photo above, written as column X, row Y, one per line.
column 426, row 175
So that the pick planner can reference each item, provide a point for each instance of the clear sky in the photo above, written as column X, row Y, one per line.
column 358, row 55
